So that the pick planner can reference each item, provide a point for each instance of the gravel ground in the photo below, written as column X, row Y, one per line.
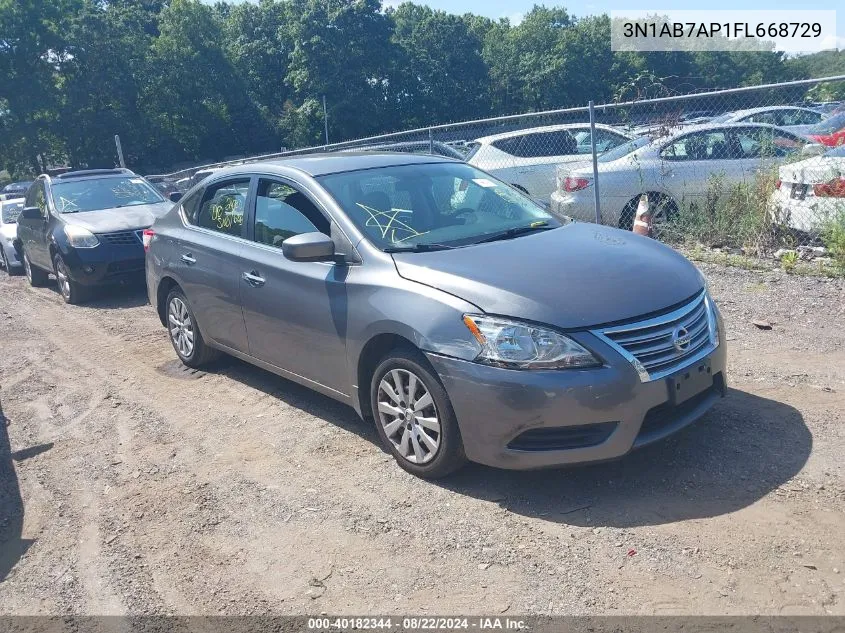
column 130, row 485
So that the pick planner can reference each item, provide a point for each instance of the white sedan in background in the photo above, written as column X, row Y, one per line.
column 528, row 158
column 9, row 211
column 811, row 192
column 793, row 118
column 672, row 170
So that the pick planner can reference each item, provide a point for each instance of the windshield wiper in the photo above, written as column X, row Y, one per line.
column 417, row 248
column 516, row 232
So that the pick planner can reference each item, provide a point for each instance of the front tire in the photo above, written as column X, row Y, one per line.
column 414, row 416
column 4, row 262
column 72, row 292
column 36, row 277
column 184, row 333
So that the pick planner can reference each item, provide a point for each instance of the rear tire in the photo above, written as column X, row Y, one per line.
column 414, row 416
column 72, row 292
column 36, row 277
column 184, row 333
column 661, row 207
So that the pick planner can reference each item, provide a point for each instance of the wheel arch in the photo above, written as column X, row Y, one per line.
column 372, row 352
column 165, row 285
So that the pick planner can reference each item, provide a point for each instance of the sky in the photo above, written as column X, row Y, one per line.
column 515, row 9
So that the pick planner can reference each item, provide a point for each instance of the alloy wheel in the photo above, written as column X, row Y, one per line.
column 408, row 416
column 181, row 327
column 27, row 268
column 62, row 278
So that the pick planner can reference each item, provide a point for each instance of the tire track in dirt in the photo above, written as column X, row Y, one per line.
column 234, row 491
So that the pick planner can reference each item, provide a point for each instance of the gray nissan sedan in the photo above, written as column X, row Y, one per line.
column 442, row 303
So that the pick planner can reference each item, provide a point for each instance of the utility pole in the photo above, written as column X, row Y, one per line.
column 119, row 150
column 326, row 119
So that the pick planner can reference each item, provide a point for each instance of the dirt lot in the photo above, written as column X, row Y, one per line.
column 129, row 485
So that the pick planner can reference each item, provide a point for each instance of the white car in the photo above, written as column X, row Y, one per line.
column 811, row 192
column 528, row 158
column 793, row 118
column 9, row 211
column 672, row 170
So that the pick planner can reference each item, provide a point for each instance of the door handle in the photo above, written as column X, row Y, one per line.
column 189, row 259
column 253, row 279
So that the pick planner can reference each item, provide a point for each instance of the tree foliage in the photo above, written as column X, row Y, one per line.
column 182, row 81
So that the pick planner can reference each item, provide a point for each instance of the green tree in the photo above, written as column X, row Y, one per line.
column 439, row 73
column 32, row 54
column 196, row 103
column 342, row 50
column 258, row 42
column 100, row 83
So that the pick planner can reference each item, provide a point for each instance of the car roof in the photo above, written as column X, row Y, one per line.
column 337, row 162
column 90, row 174
column 748, row 111
column 702, row 127
column 545, row 128
column 424, row 144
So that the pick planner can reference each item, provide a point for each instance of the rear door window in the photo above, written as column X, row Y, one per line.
column 222, row 207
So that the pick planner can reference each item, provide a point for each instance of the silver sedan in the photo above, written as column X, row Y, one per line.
column 672, row 170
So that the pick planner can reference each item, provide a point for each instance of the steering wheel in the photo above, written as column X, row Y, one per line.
column 469, row 216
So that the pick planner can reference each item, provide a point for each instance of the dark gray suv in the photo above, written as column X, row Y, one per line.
column 444, row 304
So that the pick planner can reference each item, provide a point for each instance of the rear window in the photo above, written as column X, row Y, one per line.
column 829, row 126
column 472, row 149
column 11, row 211
column 623, row 150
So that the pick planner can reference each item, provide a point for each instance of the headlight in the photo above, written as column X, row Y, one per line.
column 712, row 319
column 79, row 237
column 524, row 345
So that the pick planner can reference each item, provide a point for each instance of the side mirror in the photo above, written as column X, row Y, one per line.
column 813, row 149
column 309, row 247
column 175, row 196
column 31, row 213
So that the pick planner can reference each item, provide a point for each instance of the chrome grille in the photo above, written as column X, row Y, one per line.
column 122, row 238
column 659, row 346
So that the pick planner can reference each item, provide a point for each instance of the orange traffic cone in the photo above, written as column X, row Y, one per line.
column 642, row 222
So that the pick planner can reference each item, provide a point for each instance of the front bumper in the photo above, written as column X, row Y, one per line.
column 609, row 406
column 11, row 252
column 105, row 264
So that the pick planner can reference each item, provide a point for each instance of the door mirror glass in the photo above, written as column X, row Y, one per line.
column 31, row 213
column 175, row 196
column 309, row 247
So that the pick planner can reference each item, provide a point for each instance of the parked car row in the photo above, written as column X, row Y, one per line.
column 399, row 284
column 672, row 165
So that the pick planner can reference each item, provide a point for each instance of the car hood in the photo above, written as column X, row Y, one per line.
column 9, row 230
column 577, row 276
column 121, row 219
column 813, row 170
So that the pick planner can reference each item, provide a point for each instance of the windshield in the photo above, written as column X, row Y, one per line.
column 436, row 204
column 94, row 194
column 829, row 126
column 623, row 150
column 722, row 118
column 11, row 211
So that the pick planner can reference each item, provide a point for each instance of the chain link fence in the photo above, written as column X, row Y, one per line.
column 758, row 171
